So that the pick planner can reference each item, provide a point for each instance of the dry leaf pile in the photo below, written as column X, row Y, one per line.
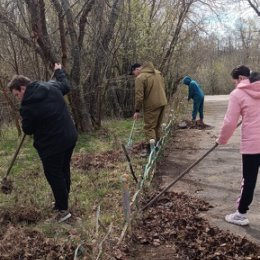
column 175, row 219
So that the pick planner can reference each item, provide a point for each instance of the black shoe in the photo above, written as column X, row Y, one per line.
column 146, row 151
column 59, row 216
column 53, row 206
column 62, row 215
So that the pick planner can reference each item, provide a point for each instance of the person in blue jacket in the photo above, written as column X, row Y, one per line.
column 197, row 94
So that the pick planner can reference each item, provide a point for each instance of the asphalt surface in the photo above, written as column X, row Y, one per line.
column 216, row 179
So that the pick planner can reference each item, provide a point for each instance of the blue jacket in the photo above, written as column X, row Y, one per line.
column 195, row 91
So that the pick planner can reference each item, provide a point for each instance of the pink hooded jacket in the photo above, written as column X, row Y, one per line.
column 243, row 101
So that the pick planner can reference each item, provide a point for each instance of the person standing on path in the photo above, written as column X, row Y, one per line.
column 244, row 101
column 149, row 95
column 45, row 115
column 197, row 94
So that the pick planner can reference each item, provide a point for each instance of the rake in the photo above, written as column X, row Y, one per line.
column 6, row 185
column 182, row 174
column 130, row 140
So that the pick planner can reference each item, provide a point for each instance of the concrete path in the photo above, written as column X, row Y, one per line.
column 216, row 178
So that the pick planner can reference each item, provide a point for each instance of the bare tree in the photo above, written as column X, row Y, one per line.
column 97, row 40
column 255, row 5
column 80, row 111
column 39, row 39
column 183, row 7
column 103, row 60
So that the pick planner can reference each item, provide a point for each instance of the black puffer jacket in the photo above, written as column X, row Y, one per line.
column 45, row 116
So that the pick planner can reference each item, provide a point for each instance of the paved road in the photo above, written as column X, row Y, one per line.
column 217, row 178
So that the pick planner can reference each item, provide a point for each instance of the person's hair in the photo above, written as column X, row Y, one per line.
column 254, row 76
column 134, row 66
column 241, row 70
column 17, row 81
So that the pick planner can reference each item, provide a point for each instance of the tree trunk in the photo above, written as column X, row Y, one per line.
column 101, row 63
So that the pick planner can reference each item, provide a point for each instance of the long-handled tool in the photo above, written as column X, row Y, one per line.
column 130, row 140
column 129, row 163
column 182, row 174
column 6, row 185
column 179, row 177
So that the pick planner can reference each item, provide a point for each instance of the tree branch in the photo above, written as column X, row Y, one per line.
column 83, row 20
column 11, row 26
column 255, row 7
column 63, row 41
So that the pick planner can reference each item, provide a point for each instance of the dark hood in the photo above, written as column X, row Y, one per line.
column 35, row 92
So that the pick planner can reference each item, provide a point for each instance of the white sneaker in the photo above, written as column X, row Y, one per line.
column 237, row 219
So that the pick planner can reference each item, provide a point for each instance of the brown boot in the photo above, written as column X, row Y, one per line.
column 193, row 123
column 200, row 123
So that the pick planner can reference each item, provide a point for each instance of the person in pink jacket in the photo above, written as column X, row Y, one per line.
column 244, row 102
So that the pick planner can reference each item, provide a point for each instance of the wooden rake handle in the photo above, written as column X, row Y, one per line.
column 182, row 174
column 15, row 155
column 179, row 177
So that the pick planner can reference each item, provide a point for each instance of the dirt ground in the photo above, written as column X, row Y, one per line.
column 216, row 179
column 187, row 223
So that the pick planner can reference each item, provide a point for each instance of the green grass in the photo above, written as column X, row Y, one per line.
column 89, row 189
column 112, row 133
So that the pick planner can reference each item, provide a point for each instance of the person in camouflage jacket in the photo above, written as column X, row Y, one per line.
column 151, row 97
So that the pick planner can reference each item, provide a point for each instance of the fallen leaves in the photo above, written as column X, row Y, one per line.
column 26, row 244
column 107, row 160
column 175, row 220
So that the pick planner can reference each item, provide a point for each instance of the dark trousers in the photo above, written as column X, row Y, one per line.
column 57, row 172
column 251, row 163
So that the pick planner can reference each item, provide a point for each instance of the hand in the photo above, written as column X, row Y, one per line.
column 217, row 141
column 57, row 66
column 136, row 115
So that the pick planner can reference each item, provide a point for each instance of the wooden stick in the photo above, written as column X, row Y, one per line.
column 182, row 174
column 178, row 178
column 129, row 163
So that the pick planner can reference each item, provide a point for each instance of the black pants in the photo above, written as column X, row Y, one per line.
column 251, row 163
column 57, row 172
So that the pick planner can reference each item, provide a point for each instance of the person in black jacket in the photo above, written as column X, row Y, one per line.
column 45, row 115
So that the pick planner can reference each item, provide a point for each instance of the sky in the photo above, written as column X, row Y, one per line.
column 227, row 16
